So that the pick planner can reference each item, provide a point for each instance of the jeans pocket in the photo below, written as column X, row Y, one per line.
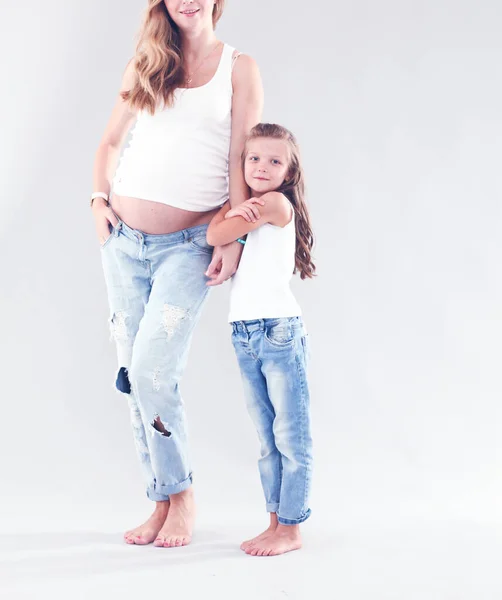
column 109, row 238
column 280, row 334
column 199, row 242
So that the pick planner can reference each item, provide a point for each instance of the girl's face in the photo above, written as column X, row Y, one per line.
column 266, row 165
column 190, row 15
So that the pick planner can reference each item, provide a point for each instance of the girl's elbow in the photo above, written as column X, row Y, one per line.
column 212, row 238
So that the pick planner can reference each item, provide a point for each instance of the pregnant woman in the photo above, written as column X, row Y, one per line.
column 192, row 99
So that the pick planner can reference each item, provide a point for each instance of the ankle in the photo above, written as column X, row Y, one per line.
column 273, row 521
column 161, row 508
column 182, row 497
column 291, row 531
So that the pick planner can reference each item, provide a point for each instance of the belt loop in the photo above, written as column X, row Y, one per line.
column 142, row 248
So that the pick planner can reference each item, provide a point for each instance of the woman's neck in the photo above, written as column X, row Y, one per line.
column 198, row 44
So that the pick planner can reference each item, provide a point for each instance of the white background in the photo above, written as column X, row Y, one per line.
column 397, row 106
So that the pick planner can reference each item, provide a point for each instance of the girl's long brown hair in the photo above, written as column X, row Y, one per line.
column 159, row 60
column 293, row 188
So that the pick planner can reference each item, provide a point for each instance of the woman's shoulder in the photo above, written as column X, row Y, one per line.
column 244, row 66
column 129, row 76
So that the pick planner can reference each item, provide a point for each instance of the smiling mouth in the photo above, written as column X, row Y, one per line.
column 191, row 11
column 262, row 178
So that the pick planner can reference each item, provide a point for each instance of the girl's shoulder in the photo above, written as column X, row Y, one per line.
column 279, row 208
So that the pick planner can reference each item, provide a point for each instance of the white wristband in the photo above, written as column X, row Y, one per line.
column 99, row 195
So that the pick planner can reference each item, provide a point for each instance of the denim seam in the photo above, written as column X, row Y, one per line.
column 303, row 406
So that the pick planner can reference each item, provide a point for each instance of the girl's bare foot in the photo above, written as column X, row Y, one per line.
column 178, row 526
column 286, row 538
column 263, row 536
column 146, row 533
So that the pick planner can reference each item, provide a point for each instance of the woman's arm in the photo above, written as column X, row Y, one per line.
column 108, row 153
column 276, row 210
column 247, row 108
column 113, row 137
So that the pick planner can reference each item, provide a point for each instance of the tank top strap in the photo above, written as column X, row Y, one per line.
column 224, row 73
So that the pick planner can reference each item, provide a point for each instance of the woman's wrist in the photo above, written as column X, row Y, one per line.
column 100, row 196
column 99, row 203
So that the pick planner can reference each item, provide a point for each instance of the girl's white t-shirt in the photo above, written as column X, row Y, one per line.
column 260, row 289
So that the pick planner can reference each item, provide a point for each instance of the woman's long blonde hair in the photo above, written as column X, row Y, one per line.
column 159, row 61
column 293, row 188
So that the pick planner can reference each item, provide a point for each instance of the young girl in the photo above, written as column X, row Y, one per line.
column 268, row 333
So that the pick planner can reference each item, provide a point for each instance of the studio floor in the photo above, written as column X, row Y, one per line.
column 423, row 560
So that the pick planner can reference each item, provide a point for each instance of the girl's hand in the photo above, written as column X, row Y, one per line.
column 247, row 210
column 104, row 218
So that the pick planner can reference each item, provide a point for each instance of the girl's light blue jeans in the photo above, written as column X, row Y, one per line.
column 156, row 290
column 272, row 355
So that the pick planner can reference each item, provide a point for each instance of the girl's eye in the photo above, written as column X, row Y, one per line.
column 276, row 162
column 253, row 158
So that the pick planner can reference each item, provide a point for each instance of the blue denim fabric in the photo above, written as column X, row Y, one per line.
column 156, row 290
column 272, row 355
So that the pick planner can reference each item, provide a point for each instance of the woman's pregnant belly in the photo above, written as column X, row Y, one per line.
column 156, row 218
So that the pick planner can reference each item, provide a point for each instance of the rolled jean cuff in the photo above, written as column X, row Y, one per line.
column 283, row 521
column 161, row 493
column 272, row 507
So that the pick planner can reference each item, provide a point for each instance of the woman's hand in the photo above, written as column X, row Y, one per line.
column 224, row 264
column 247, row 210
column 104, row 218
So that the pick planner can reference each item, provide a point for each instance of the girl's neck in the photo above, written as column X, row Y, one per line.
column 259, row 194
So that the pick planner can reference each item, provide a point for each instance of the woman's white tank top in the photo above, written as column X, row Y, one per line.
column 260, row 288
column 179, row 155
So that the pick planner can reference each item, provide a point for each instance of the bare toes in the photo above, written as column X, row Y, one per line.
column 140, row 541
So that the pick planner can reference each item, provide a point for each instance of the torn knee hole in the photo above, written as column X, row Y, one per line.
column 160, row 427
column 122, row 383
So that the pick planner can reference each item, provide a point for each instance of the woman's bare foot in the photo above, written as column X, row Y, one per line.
column 146, row 533
column 178, row 526
column 263, row 536
column 285, row 538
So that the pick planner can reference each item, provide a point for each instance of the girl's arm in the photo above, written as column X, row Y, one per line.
column 276, row 210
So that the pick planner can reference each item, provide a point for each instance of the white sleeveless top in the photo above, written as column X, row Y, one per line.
column 179, row 155
column 260, row 288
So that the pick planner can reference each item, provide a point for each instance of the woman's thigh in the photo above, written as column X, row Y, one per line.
column 178, row 293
